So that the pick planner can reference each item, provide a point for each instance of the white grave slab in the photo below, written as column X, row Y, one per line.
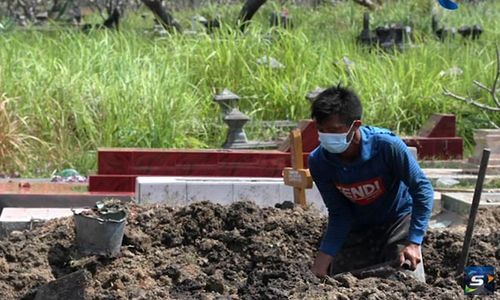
column 20, row 218
column 462, row 202
column 178, row 191
column 265, row 192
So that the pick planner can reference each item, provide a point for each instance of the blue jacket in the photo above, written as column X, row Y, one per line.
column 383, row 184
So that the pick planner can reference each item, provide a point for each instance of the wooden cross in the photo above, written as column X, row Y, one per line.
column 297, row 176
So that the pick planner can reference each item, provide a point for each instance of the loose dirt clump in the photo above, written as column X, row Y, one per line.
column 209, row 251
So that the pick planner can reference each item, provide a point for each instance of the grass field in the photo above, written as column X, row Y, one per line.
column 65, row 93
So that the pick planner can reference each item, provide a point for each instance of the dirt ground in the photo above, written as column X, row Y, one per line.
column 208, row 251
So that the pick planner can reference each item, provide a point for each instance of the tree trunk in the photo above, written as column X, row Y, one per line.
column 249, row 9
column 367, row 3
column 166, row 17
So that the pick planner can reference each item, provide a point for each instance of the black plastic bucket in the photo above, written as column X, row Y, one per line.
column 100, row 234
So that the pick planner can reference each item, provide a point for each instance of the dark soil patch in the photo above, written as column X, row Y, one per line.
column 208, row 251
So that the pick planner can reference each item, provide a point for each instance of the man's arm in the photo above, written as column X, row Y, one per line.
column 420, row 189
column 339, row 221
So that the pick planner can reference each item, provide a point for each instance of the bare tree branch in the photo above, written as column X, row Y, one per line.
column 470, row 101
column 480, row 85
column 492, row 91
column 493, row 124
column 495, row 82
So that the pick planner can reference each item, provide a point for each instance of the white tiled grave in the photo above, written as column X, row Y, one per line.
column 19, row 218
column 264, row 191
column 462, row 202
column 180, row 191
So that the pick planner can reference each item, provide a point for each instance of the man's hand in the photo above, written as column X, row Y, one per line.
column 321, row 264
column 410, row 252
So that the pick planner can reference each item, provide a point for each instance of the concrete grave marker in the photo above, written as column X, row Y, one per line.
column 236, row 136
column 227, row 101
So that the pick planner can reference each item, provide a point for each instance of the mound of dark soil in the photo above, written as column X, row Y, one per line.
column 208, row 251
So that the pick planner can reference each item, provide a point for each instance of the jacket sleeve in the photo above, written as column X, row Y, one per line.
column 420, row 189
column 339, row 212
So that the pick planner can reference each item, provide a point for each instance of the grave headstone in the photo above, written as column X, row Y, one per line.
column 43, row 16
column 436, row 139
column 473, row 32
column 401, row 34
column 227, row 101
column 439, row 125
column 236, row 137
column 386, row 37
column 486, row 138
column 367, row 37
column 282, row 19
column 209, row 24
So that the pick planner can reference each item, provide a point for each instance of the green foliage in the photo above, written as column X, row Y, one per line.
column 78, row 92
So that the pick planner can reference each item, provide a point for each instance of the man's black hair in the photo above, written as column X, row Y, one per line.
column 339, row 101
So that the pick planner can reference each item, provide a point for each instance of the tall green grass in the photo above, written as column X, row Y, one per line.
column 78, row 92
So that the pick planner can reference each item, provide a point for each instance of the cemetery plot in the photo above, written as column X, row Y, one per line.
column 240, row 252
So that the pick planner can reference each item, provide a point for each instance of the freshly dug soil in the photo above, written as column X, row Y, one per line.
column 208, row 251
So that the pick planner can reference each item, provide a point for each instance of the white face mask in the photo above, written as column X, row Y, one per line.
column 335, row 142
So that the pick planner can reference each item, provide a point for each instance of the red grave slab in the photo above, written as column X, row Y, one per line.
column 110, row 161
column 112, row 183
column 439, row 125
column 309, row 134
column 436, row 148
column 118, row 168
column 234, row 163
column 436, row 140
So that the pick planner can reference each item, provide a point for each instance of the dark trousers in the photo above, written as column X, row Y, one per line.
column 372, row 246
